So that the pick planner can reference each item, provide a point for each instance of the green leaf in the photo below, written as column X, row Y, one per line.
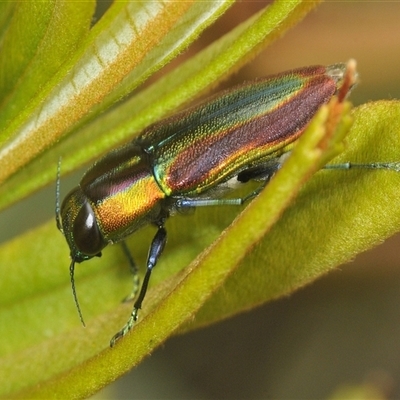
column 39, row 38
column 172, row 91
column 7, row 9
column 58, row 343
column 37, row 323
column 333, row 218
column 114, row 47
column 336, row 216
column 267, row 252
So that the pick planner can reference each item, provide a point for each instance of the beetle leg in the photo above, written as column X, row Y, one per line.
column 156, row 248
column 182, row 203
column 134, row 271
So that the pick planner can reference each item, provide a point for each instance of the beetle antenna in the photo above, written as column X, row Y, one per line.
column 71, row 272
column 58, row 218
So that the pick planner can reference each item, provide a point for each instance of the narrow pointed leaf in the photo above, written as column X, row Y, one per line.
column 182, row 85
column 39, row 38
column 58, row 343
column 115, row 46
column 338, row 215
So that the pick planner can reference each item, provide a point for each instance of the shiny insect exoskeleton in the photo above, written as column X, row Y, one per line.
column 236, row 136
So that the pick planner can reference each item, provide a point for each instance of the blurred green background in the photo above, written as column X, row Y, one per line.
column 338, row 337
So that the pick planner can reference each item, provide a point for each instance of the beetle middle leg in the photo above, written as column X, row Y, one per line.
column 134, row 271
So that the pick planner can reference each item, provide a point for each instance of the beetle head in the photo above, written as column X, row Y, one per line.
column 77, row 221
column 80, row 228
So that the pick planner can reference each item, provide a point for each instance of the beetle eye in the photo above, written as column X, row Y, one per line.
column 86, row 233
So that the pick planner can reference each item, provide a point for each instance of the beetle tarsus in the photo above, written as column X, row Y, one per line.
column 128, row 326
column 391, row 166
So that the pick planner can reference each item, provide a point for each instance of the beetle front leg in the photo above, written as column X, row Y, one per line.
column 156, row 248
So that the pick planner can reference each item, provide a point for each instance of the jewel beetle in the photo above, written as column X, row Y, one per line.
column 178, row 163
